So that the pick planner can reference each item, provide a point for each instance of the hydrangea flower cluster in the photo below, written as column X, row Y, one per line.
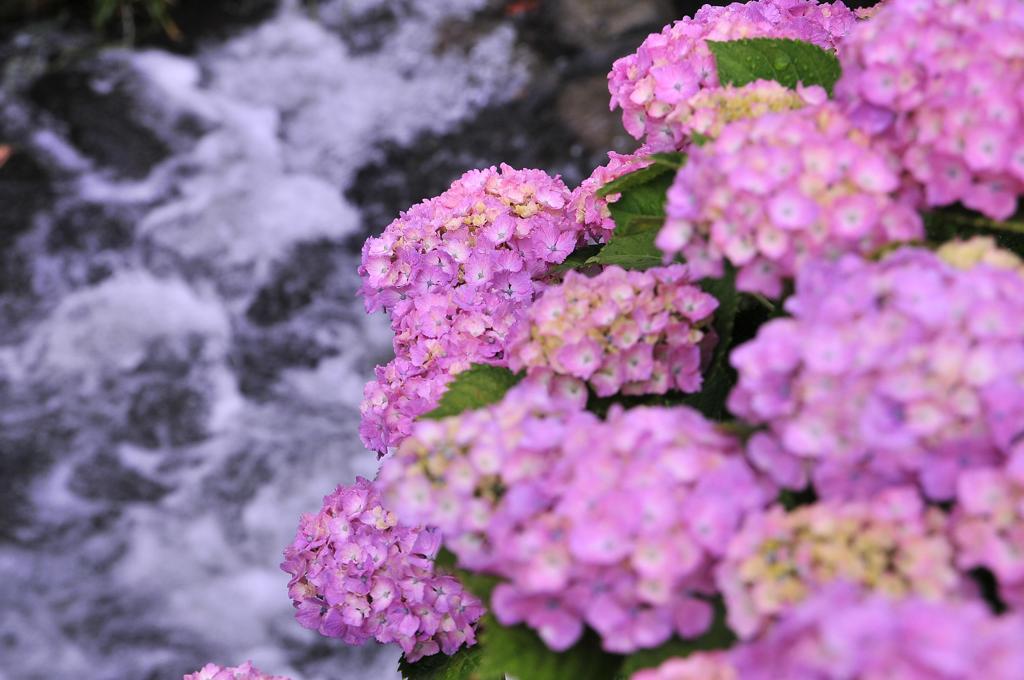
column 890, row 545
column 450, row 473
column 698, row 666
column 590, row 210
column 709, row 111
column 773, row 191
column 246, row 671
column 357, row 575
column 906, row 370
column 842, row 633
column 612, row 524
column 634, row 332
column 942, row 80
column 454, row 273
column 654, row 84
column 988, row 525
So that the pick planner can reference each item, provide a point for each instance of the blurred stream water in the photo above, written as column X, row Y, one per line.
column 181, row 351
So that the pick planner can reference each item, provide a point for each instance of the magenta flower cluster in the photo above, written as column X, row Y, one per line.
column 634, row 332
column 245, row 671
column 612, row 524
column 907, row 370
column 942, row 82
column 988, row 524
column 654, row 85
column 771, row 192
column 844, row 633
column 889, row 544
column 357, row 575
column 454, row 273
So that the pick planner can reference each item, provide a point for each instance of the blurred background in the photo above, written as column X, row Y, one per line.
column 184, row 189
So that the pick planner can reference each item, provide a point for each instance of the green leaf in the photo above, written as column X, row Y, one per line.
column 718, row 637
column 671, row 159
column 460, row 666
column 642, row 207
column 634, row 179
column 518, row 652
column 720, row 376
column 945, row 224
column 630, row 251
column 577, row 259
column 785, row 61
column 478, row 386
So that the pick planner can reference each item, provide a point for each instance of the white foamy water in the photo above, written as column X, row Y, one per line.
column 174, row 397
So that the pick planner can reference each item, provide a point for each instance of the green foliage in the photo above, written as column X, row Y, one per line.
column 638, row 214
column 516, row 651
column 945, row 224
column 460, row 666
column 128, row 16
column 631, row 251
column 577, row 259
column 478, row 386
column 720, row 376
column 785, row 61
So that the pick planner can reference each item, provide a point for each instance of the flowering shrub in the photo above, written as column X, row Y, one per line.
column 988, row 525
column 628, row 332
column 843, row 633
column 609, row 455
column 454, row 273
column 941, row 81
column 772, row 192
column 357, row 575
column 872, row 383
column 535, row 492
column 891, row 544
column 654, row 85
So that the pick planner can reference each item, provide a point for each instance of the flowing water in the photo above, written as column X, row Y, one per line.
column 181, row 351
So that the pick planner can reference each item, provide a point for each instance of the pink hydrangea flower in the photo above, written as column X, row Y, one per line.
column 890, row 544
column 903, row 371
column 654, row 85
column 246, row 671
column 590, row 210
column 773, row 191
column 357, row 575
column 988, row 525
column 697, row 666
column 620, row 331
column 449, row 473
column 843, row 633
column 614, row 525
column 454, row 273
column 941, row 81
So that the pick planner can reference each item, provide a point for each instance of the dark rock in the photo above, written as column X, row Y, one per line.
column 362, row 32
column 583, row 107
column 200, row 20
column 242, row 474
column 591, row 22
column 167, row 413
column 25, row 188
column 99, row 121
column 90, row 227
column 105, row 478
column 295, row 283
column 258, row 358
